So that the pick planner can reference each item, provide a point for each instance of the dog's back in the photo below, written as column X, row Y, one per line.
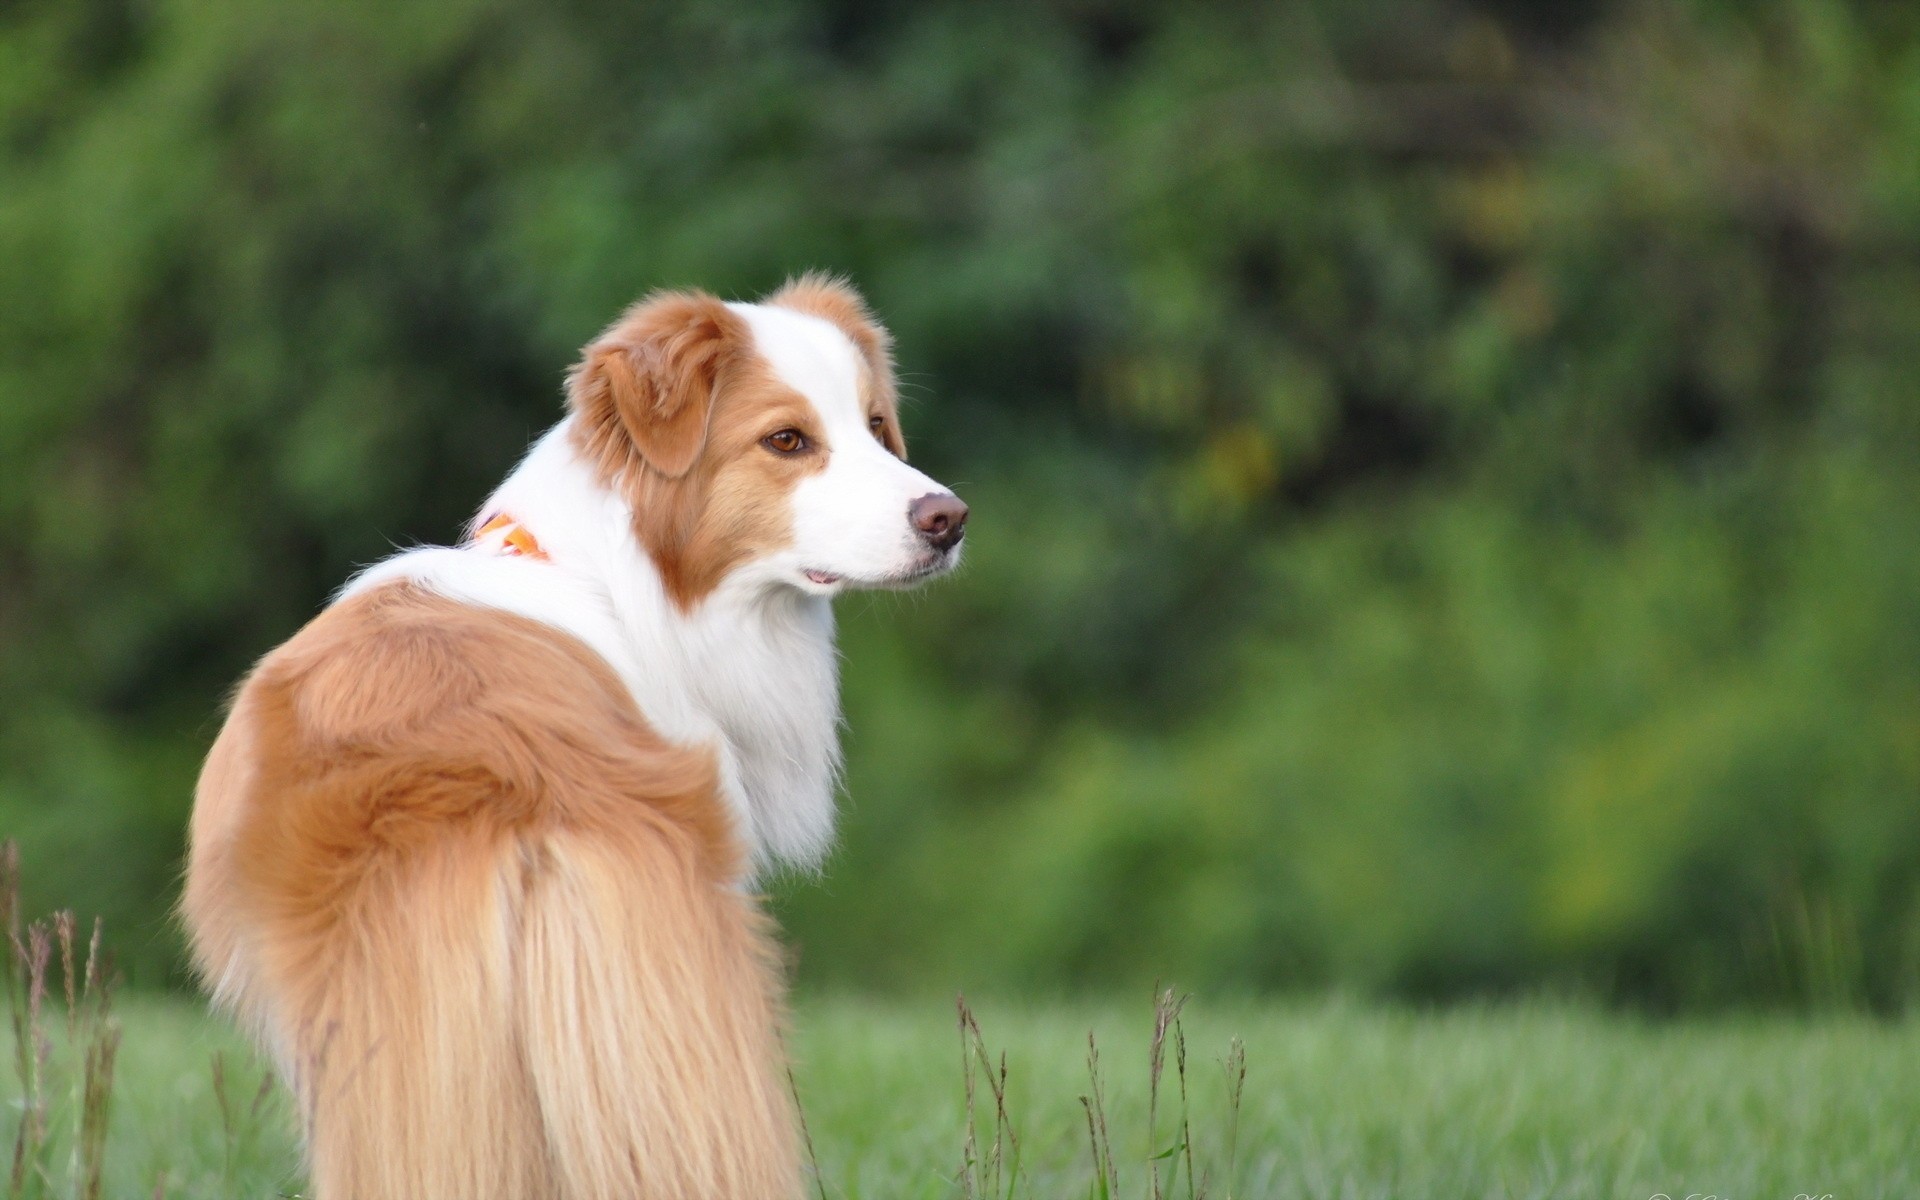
column 487, row 919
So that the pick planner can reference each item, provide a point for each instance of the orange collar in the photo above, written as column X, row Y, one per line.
column 502, row 534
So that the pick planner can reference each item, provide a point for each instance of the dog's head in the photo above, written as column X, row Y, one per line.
column 762, row 442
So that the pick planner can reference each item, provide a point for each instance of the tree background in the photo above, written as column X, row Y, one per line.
column 1446, row 474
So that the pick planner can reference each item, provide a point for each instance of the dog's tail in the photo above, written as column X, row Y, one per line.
column 489, row 924
column 650, row 1020
column 551, row 1014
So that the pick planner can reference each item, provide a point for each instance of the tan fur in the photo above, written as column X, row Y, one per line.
column 486, row 918
column 639, row 386
column 833, row 300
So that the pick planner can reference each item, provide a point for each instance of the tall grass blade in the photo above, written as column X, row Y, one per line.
column 1236, row 1067
column 806, row 1134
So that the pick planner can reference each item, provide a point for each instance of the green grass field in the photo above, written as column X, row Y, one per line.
column 1341, row 1101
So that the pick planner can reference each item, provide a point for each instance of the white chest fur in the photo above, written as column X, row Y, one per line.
column 751, row 670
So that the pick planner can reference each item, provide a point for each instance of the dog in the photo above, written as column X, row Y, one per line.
column 472, row 855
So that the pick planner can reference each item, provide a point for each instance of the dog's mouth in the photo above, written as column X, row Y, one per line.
column 938, row 564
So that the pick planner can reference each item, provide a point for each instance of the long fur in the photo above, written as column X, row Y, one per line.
column 470, row 855
column 488, row 919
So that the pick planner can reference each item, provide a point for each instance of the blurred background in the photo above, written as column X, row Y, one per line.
column 1446, row 474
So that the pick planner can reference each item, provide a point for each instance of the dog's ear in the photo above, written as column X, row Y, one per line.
column 653, row 374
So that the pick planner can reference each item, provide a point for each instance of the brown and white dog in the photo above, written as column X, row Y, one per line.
column 471, row 855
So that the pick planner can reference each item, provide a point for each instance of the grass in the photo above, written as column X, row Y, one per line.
column 1341, row 1100
column 148, row 1096
column 1358, row 1101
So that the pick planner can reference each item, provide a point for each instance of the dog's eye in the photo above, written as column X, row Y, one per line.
column 879, row 427
column 787, row 441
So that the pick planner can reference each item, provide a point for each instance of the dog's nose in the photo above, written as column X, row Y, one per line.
column 941, row 519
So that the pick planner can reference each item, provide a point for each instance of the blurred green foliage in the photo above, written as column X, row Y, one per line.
column 1446, row 475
